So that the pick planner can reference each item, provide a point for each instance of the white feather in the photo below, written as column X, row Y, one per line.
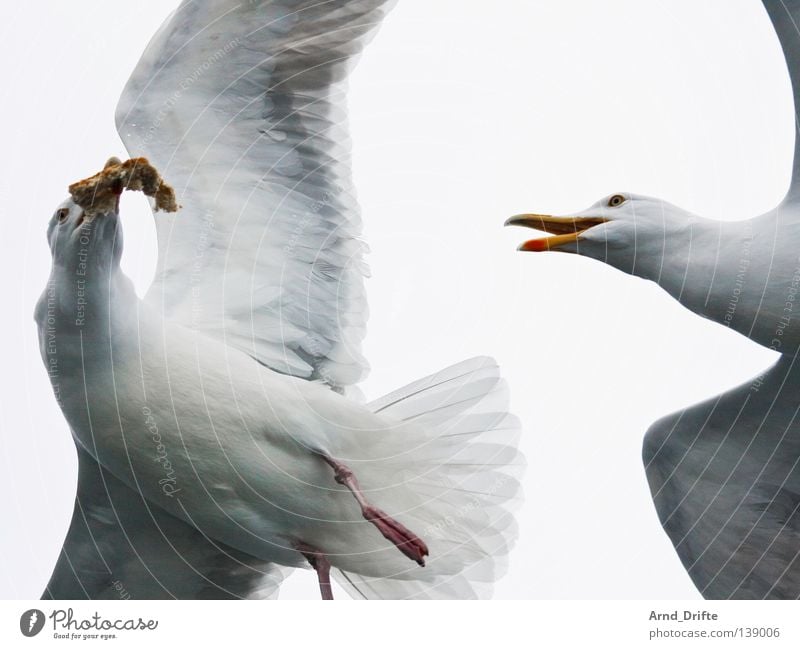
column 241, row 105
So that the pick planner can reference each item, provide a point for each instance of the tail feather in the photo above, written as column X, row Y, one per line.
column 400, row 400
column 453, row 587
column 457, row 467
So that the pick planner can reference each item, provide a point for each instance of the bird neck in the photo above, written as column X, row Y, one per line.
column 95, row 308
column 710, row 272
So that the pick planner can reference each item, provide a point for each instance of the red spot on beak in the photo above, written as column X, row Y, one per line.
column 535, row 245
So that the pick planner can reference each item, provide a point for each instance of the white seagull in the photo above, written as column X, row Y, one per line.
column 724, row 474
column 214, row 420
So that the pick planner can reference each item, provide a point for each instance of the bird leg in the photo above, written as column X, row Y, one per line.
column 406, row 541
column 319, row 562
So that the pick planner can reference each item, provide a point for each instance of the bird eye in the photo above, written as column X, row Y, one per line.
column 62, row 214
column 616, row 200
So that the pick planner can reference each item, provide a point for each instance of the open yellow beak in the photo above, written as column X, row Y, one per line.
column 566, row 229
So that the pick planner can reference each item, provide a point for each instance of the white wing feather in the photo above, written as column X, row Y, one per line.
column 241, row 106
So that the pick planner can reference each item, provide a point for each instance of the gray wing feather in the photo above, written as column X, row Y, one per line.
column 725, row 480
column 725, row 474
column 242, row 107
column 120, row 546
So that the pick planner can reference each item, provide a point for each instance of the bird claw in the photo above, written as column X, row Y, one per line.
column 406, row 541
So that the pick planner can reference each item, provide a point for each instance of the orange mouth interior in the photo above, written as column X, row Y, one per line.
column 565, row 229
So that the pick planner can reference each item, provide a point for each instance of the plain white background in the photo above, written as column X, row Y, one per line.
column 462, row 113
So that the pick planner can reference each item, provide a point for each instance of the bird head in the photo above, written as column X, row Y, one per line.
column 627, row 231
column 87, row 224
column 81, row 237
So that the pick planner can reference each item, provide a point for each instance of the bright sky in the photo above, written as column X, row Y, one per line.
column 462, row 114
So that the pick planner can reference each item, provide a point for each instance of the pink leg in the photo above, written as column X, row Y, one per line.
column 406, row 541
column 319, row 562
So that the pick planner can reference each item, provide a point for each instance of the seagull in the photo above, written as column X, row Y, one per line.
column 221, row 435
column 724, row 474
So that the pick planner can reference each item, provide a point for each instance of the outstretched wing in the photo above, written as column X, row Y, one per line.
column 241, row 105
column 785, row 17
column 119, row 546
column 725, row 479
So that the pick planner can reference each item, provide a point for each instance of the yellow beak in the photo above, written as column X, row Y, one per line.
column 567, row 229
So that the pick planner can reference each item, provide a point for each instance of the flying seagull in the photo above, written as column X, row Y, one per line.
column 222, row 407
column 724, row 474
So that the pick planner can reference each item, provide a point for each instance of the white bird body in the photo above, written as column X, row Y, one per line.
column 753, row 283
column 743, row 274
column 231, row 430
column 184, row 419
column 218, row 398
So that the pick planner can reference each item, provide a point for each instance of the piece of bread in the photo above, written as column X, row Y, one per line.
column 99, row 194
